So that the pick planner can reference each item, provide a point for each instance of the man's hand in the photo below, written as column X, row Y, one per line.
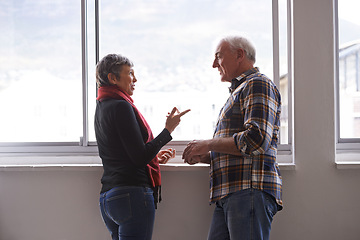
column 198, row 159
column 196, row 152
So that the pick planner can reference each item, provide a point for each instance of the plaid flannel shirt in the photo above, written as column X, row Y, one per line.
column 251, row 116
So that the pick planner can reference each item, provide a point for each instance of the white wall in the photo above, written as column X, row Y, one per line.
column 320, row 201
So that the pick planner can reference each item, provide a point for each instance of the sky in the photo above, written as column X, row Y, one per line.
column 41, row 45
column 349, row 10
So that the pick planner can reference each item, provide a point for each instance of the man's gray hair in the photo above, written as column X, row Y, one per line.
column 237, row 42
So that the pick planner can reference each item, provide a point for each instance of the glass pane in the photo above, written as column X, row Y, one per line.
column 172, row 45
column 284, row 80
column 40, row 71
column 349, row 68
column 91, row 68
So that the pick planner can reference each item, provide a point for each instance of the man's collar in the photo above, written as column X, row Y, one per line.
column 240, row 79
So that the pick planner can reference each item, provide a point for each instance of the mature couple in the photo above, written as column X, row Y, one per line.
column 245, row 181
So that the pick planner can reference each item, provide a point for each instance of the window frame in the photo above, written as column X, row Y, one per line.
column 343, row 145
column 89, row 148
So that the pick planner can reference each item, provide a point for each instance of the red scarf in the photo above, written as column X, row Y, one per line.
column 116, row 93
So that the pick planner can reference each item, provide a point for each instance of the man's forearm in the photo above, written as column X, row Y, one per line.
column 223, row 145
column 199, row 151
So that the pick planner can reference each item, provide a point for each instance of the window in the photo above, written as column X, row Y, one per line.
column 348, row 74
column 40, row 71
column 47, row 78
column 172, row 45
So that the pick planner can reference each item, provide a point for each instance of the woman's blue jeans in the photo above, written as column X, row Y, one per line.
column 128, row 212
column 243, row 215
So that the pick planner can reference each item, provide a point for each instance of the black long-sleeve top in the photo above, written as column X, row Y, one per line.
column 120, row 140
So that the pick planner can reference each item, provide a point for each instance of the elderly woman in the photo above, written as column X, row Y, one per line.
column 129, row 152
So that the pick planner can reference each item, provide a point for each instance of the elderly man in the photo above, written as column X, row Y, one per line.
column 245, row 181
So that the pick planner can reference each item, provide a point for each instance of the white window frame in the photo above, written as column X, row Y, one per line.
column 85, row 152
column 347, row 149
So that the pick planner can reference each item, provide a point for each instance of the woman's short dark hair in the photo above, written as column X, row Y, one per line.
column 111, row 63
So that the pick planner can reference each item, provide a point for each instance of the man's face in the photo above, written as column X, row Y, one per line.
column 226, row 62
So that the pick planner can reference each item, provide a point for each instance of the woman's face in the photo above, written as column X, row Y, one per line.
column 127, row 80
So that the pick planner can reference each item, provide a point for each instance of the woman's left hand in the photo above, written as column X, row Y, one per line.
column 165, row 155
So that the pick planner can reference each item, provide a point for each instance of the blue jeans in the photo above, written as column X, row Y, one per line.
column 243, row 215
column 128, row 212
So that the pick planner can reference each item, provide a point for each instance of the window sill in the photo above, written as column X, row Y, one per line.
column 93, row 162
column 347, row 160
column 21, row 162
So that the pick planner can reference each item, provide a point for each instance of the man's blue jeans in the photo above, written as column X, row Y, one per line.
column 128, row 212
column 243, row 215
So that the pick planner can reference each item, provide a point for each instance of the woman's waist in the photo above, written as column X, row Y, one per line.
column 127, row 189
